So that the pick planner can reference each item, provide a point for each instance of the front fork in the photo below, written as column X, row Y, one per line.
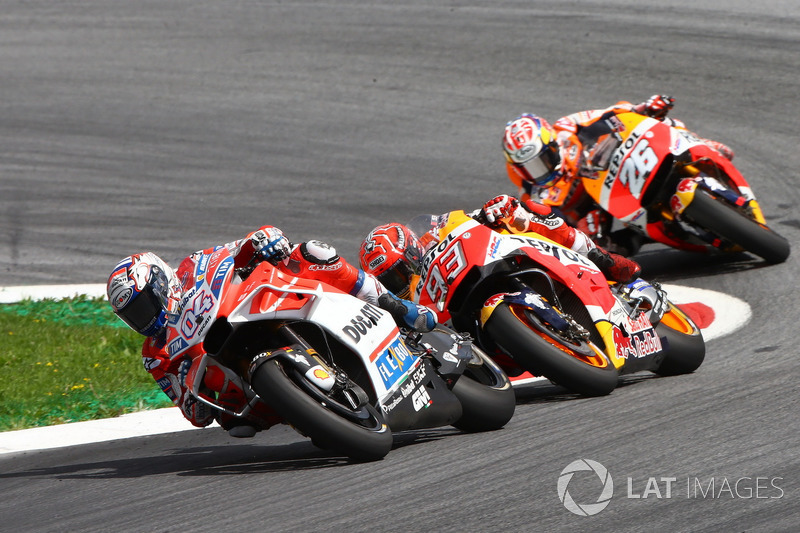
column 298, row 355
column 536, row 304
column 687, row 188
column 303, row 357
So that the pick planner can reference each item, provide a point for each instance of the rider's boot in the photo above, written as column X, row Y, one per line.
column 406, row 313
column 614, row 266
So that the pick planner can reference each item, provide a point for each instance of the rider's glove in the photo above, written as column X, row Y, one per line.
column 500, row 209
column 271, row 244
column 407, row 313
column 614, row 266
column 724, row 150
column 658, row 105
column 593, row 223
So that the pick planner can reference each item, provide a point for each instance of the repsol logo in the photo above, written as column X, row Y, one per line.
column 363, row 322
column 619, row 155
column 430, row 257
column 559, row 252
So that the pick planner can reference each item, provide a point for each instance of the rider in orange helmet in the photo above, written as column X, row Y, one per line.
column 393, row 252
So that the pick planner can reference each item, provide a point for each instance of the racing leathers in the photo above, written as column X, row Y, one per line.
column 310, row 260
column 528, row 215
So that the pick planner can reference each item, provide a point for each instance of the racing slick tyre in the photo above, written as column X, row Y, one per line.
column 686, row 348
column 487, row 398
column 724, row 221
column 543, row 352
column 331, row 423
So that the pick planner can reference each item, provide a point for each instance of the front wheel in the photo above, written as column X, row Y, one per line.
column 573, row 364
column 357, row 432
column 487, row 398
column 723, row 221
column 686, row 348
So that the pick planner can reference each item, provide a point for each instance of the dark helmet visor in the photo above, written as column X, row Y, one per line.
column 397, row 279
column 146, row 307
column 142, row 311
column 542, row 166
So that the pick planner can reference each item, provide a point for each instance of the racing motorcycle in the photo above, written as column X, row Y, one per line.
column 335, row 368
column 669, row 186
column 535, row 305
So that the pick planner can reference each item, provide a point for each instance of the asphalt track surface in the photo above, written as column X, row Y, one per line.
column 171, row 126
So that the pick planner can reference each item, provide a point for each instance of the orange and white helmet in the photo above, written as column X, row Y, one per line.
column 392, row 253
column 529, row 144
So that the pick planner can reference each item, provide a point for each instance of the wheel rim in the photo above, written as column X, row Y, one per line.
column 362, row 415
column 676, row 320
column 594, row 359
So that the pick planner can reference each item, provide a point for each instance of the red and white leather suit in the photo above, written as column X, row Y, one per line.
column 311, row 260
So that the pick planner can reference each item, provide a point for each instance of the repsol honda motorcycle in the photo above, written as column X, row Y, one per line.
column 535, row 305
column 670, row 187
column 337, row 369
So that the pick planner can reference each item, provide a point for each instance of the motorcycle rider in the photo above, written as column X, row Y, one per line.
column 145, row 293
column 546, row 162
column 392, row 252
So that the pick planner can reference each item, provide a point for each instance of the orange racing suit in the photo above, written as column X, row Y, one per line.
column 577, row 135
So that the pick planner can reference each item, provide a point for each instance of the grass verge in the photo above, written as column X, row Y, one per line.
column 69, row 360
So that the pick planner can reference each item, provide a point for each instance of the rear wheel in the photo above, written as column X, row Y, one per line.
column 729, row 224
column 487, row 398
column 686, row 348
column 574, row 364
column 358, row 432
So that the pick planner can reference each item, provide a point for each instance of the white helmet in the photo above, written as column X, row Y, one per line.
column 144, row 291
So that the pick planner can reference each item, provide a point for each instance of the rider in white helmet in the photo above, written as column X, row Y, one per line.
column 546, row 162
column 145, row 293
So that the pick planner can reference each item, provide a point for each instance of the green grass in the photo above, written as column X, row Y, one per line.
column 69, row 360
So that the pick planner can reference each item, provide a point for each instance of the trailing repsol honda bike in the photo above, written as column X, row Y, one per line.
column 535, row 305
column 670, row 187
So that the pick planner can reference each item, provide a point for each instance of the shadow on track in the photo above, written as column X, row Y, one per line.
column 543, row 392
column 666, row 264
column 220, row 460
column 207, row 460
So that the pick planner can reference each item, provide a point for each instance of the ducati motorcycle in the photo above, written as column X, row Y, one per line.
column 672, row 188
column 335, row 368
column 537, row 306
